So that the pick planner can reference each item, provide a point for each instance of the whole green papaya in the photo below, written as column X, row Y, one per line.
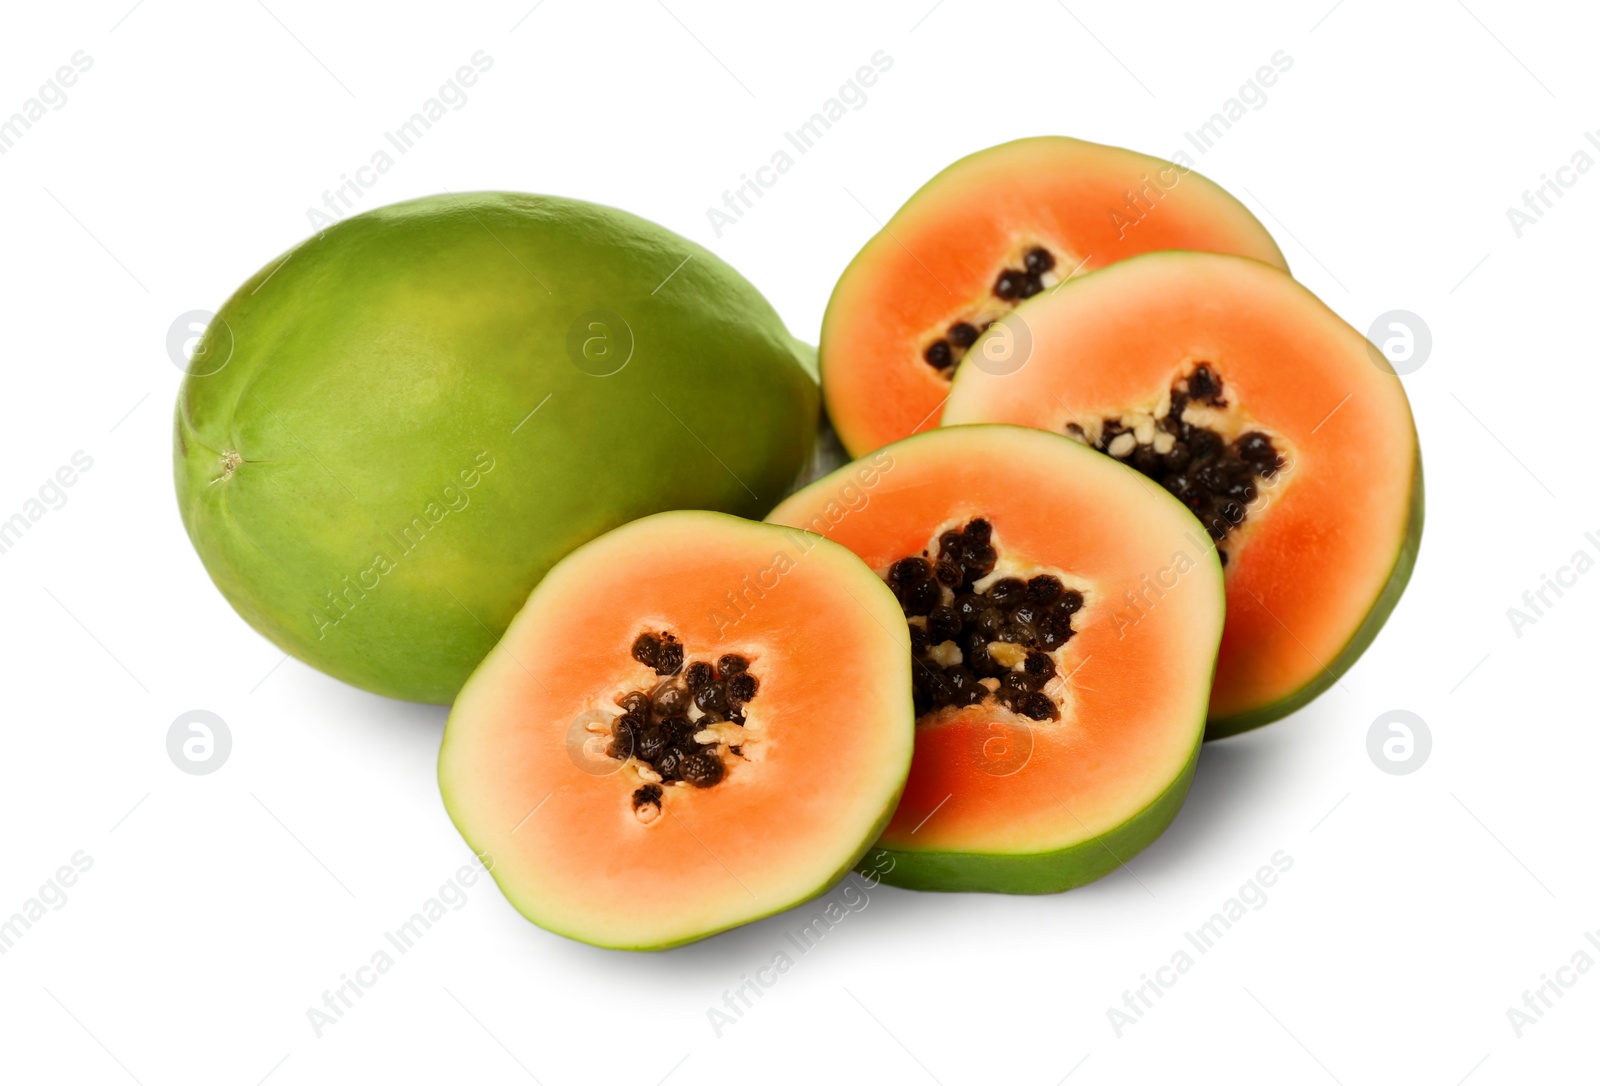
column 388, row 435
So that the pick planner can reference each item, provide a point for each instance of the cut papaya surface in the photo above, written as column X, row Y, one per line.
column 994, row 229
column 1052, row 742
column 694, row 722
column 1270, row 418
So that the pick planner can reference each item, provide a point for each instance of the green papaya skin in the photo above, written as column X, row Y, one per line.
column 1038, row 872
column 388, row 435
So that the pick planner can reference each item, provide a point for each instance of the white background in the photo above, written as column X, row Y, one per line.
column 218, row 908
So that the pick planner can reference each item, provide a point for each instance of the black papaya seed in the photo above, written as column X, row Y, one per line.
column 1008, row 591
column 1038, row 706
column 742, row 688
column 976, row 652
column 1044, row 589
column 1052, row 638
column 980, row 562
column 1016, row 683
column 943, row 624
column 1015, row 633
column 907, row 572
column 1213, row 477
column 920, row 598
column 669, row 658
column 697, row 674
column 1027, row 613
column 647, row 649
column 919, row 640
column 712, row 698
column 668, row 763
column 672, row 700
column 1204, row 384
column 1039, row 664
column 989, row 622
column 1203, row 444
column 652, row 742
column 701, row 770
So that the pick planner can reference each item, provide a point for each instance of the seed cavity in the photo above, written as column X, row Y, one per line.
column 683, row 730
column 970, row 644
column 1180, row 444
column 1012, row 286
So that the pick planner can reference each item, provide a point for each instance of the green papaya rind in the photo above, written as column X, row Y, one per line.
column 1037, row 872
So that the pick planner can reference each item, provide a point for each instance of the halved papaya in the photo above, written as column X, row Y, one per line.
column 994, row 229
column 1275, row 422
column 1052, row 743
column 694, row 721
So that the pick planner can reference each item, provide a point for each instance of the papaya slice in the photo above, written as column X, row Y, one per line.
column 1052, row 743
column 1275, row 422
column 994, row 229
column 694, row 721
